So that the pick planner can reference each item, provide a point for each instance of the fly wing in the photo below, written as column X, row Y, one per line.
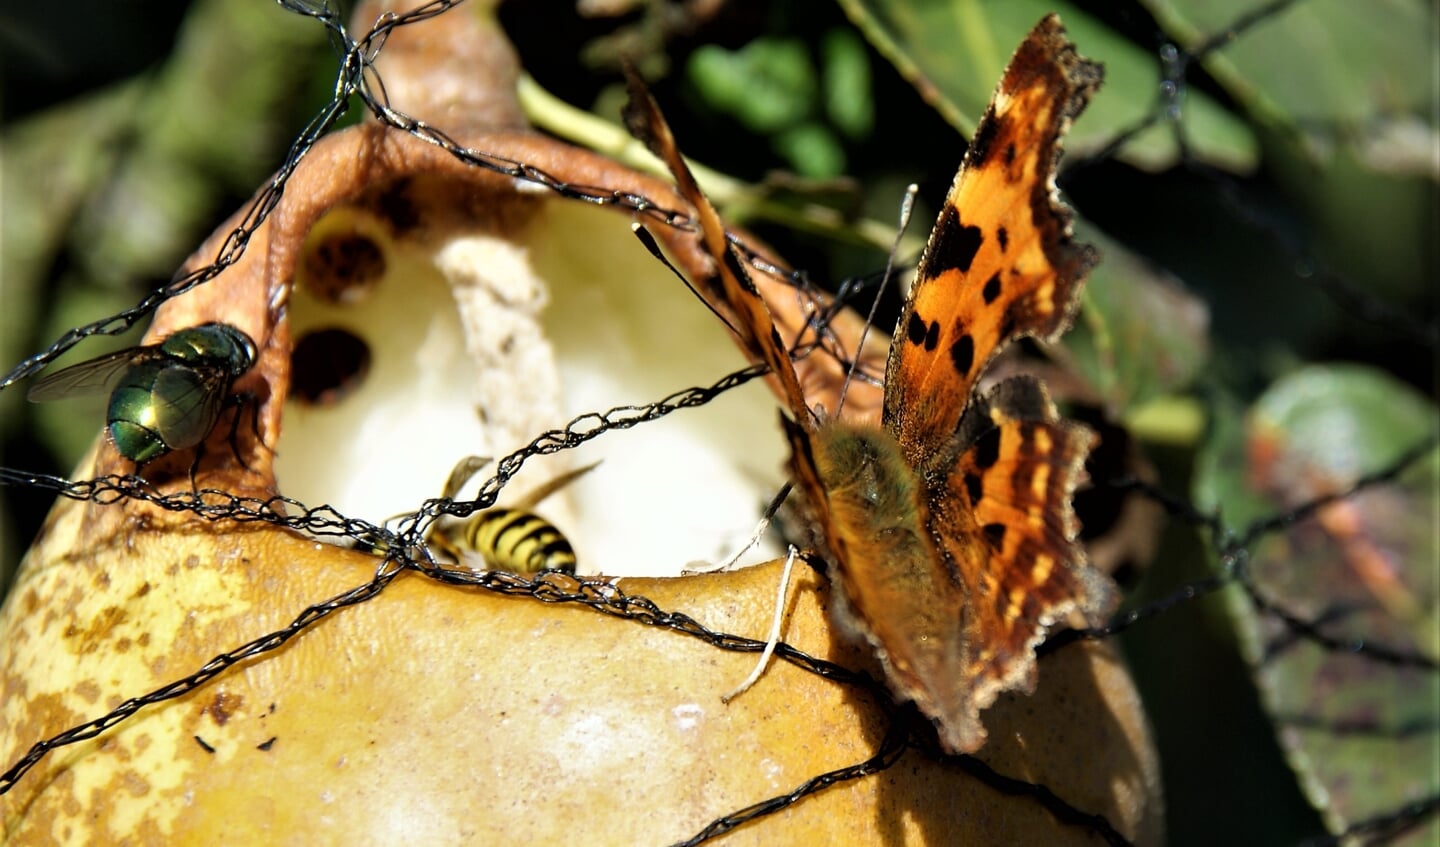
column 536, row 497
column 95, row 376
column 187, row 402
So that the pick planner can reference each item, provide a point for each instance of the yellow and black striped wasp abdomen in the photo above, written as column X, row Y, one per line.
column 519, row 541
column 509, row 538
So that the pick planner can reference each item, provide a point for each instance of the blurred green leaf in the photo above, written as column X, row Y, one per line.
column 1141, row 335
column 1346, row 99
column 1362, row 733
column 114, row 189
column 849, row 100
column 1220, row 485
column 1369, row 224
column 812, row 151
column 953, row 52
column 1321, row 67
column 1344, row 421
column 768, row 85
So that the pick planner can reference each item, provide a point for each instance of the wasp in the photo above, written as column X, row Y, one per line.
column 510, row 538
column 163, row 397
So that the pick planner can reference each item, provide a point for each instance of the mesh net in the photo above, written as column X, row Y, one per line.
column 1236, row 554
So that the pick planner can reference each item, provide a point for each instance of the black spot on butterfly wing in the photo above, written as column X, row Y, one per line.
column 984, row 136
column 922, row 333
column 994, row 534
column 962, row 354
column 974, row 487
column 987, row 449
column 992, row 285
column 953, row 246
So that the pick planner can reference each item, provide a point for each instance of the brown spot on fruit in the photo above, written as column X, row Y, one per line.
column 87, row 690
column 327, row 365
column 343, row 267
column 222, row 706
column 90, row 637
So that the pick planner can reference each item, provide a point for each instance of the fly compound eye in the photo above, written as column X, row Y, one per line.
column 241, row 354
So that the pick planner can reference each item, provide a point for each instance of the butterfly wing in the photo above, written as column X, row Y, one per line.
column 730, row 283
column 953, row 604
column 1000, row 263
column 999, row 469
column 1011, row 493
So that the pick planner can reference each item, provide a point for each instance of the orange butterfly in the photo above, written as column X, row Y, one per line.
column 949, row 528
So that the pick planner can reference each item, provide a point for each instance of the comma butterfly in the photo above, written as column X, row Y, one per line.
column 949, row 528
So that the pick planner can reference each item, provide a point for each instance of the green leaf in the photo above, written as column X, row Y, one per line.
column 811, row 150
column 954, row 52
column 1220, row 485
column 1141, row 334
column 1360, row 732
column 1321, row 67
column 1344, row 97
column 1345, row 420
column 849, row 100
column 769, row 84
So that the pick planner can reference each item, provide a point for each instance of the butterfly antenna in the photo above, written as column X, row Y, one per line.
column 648, row 239
column 907, row 206
column 773, row 638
